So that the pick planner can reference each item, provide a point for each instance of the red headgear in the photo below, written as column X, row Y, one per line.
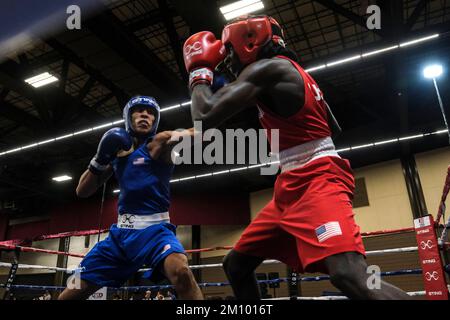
column 249, row 34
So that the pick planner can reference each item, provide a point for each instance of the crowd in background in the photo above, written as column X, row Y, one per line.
column 119, row 295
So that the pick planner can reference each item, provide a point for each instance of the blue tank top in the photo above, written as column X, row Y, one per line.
column 144, row 183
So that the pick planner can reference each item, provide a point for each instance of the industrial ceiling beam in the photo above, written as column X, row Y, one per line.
column 361, row 21
column 108, row 28
column 173, row 37
column 72, row 57
column 415, row 14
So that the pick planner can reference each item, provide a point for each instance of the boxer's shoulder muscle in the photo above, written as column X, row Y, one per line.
column 281, row 85
column 267, row 72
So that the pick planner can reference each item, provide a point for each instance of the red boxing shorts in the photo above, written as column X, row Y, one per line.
column 309, row 218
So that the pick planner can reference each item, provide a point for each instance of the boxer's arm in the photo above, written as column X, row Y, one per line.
column 89, row 182
column 213, row 109
column 161, row 146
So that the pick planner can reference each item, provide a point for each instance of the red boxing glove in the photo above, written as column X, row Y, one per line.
column 202, row 53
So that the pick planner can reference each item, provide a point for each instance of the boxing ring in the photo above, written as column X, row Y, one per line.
column 443, row 246
column 427, row 249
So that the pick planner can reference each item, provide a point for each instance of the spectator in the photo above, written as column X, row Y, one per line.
column 148, row 295
column 170, row 295
column 167, row 295
column 116, row 297
column 159, row 296
column 46, row 296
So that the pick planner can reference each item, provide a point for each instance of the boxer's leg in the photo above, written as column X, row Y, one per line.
column 348, row 273
column 86, row 289
column 176, row 269
column 262, row 239
column 240, row 270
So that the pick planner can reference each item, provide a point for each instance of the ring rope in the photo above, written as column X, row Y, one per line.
column 78, row 255
column 219, row 284
column 9, row 243
column 212, row 265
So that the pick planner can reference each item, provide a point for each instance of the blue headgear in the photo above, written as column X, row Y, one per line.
column 151, row 103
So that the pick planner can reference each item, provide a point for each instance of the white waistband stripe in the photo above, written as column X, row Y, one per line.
column 301, row 155
column 132, row 221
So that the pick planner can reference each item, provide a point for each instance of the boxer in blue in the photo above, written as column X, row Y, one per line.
column 143, row 235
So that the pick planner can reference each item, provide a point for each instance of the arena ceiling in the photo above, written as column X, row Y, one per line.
column 134, row 47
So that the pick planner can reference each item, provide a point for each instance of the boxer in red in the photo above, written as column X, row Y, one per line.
column 309, row 222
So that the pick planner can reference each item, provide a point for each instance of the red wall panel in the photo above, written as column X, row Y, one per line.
column 28, row 230
column 84, row 214
column 211, row 209
column 3, row 225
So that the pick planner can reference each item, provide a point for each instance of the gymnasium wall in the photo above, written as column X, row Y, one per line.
column 432, row 167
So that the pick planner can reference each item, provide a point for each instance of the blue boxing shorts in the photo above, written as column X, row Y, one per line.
column 114, row 260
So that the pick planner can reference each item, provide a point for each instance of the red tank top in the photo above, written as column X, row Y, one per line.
column 309, row 123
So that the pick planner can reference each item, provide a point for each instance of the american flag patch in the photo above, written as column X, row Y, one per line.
column 328, row 230
column 138, row 161
column 166, row 247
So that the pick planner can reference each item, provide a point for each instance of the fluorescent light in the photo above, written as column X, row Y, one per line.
column 41, row 80
column 240, row 8
column 371, row 53
column 433, row 71
column 44, row 82
column 185, row 103
column 237, row 5
column 37, row 78
column 405, row 44
column 411, row 137
column 204, row 175
column 171, row 107
column 362, row 146
column 243, row 11
column 238, row 169
column 344, row 60
column 46, row 141
column 29, row 146
column 323, row 66
column 64, row 137
column 13, row 150
column 257, row 165
column 82, row 131
column 385, row 142
column 62, row 178
column 116, row 191
column 187, row 178
column 220, row 172
column 118, row 121
column 103, row 126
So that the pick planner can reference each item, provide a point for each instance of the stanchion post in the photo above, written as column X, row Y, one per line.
column 432, row 270
column 12, row 274
column 294, row 285
column 196, row 244
column 61, row 262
